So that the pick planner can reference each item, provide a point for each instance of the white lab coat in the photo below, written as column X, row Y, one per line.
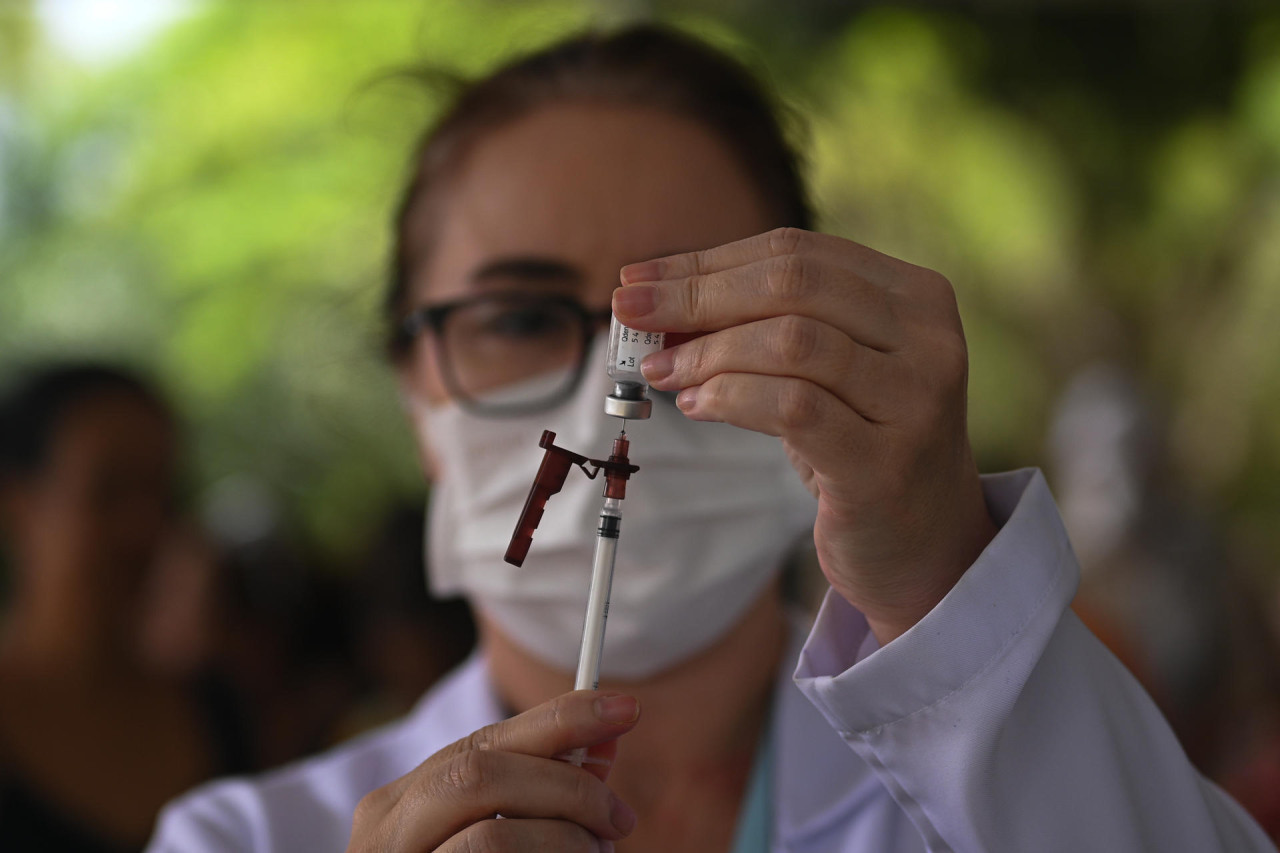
column 998, row 723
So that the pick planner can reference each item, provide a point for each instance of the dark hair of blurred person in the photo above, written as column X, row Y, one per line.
column 286, row 641
column 92, row 741
column 405, row 637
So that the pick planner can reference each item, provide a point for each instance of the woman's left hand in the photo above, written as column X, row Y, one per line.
column 858, row 362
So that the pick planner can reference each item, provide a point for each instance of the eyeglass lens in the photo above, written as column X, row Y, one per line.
column 492, row 347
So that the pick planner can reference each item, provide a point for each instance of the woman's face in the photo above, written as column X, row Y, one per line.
column 559, row 200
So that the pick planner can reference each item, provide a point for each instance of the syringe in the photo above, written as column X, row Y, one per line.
column 589, row 653
column 627, row 348
column 556, row 462
column 629, row 399
column 588, row 677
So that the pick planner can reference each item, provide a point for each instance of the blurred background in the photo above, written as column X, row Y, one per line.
column 201, row 191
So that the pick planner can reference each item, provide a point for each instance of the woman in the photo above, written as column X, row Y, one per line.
column 990, row 720
column 92, row 740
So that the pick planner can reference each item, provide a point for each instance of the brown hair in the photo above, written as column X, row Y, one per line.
column 646, row 65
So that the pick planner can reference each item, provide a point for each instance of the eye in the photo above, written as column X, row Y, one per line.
column 524, row 322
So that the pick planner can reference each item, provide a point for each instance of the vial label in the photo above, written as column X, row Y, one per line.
column 633, row 346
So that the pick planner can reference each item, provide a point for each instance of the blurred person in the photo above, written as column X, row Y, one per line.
column 405, row 638
column 92, row 739
column 257, row 625
column 946, row 698
column 286, row 645
column 183, row 603
column 1160, row 589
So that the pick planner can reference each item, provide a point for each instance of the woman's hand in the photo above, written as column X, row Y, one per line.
column 450, row 802
column 858, row 362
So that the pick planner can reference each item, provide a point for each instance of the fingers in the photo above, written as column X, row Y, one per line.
column 509, row 769
column 811, row 419
column 600, row 758
column 534, row 836
column 789, row 284
column 475, row 785
column 865, row 380
column 777, row 243
column 581, row 718
column 870, row 296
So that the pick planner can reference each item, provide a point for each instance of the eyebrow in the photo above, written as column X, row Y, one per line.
column 533, row 270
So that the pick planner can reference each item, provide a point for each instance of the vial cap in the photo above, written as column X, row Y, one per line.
column 632, row 410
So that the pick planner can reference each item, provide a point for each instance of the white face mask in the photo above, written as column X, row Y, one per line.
column 706, row 524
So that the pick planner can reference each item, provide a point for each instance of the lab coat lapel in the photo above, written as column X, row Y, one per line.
column 461, row 703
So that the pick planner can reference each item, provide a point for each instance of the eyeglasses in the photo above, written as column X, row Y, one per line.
column 507, row 353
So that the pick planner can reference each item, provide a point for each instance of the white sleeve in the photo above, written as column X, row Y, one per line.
column 1000, row 723
column 210, row 819
column 291, row 810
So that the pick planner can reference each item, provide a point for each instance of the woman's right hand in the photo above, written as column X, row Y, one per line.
column 451, row 801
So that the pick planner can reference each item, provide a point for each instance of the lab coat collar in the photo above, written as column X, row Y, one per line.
column 463, row 701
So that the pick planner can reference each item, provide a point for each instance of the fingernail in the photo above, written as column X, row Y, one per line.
column 617, row 709
column 687, row 399
column 643, row 271
column 622, row 817
column 635, row 301
column 658, row 366
column 605, row 846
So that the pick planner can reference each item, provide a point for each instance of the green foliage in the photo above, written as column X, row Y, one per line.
column 215, row 210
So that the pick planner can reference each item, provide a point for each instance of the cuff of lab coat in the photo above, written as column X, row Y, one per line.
column 1026, row 575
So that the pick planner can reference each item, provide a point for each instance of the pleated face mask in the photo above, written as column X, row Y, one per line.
column 707, row 523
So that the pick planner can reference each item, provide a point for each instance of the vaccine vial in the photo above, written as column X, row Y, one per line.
column 627, row 348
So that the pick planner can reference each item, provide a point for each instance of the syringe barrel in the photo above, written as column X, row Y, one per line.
column 588, row 675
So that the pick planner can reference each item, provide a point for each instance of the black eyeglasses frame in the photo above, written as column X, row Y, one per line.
column 433, row 318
